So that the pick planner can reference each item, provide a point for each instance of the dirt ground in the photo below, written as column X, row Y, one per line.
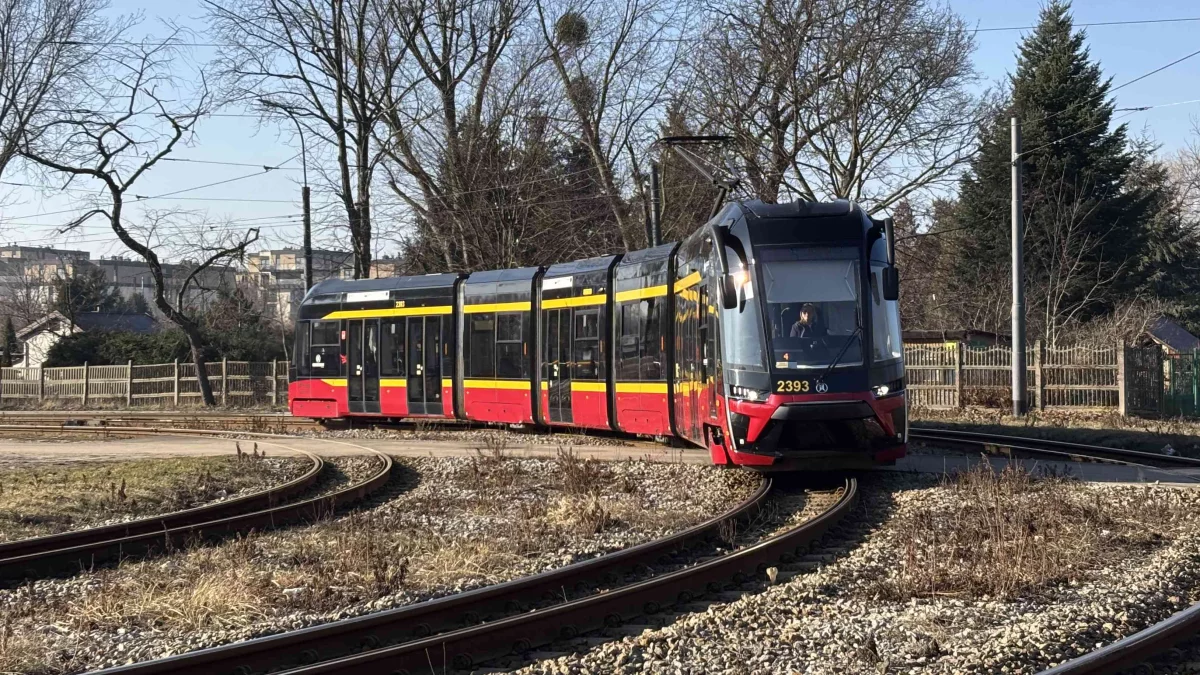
column 20, row 451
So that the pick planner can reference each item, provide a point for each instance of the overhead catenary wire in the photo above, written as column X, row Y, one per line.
column 660, row 40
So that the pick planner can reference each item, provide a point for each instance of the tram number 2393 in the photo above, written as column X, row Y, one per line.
column 791, row 386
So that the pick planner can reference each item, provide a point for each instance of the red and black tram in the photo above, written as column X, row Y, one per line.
column 770, row 338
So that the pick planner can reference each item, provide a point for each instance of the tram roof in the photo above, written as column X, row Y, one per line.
column 580, row 266
column 660, row 252
column 516, row 274
column 384, row 284
column 800, row 209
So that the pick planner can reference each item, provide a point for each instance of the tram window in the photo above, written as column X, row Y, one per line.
column 300, row 351
column 885, row 321
column 325, row 333
column 652, row 340
column 392, row 359
column 483, row 340
column 587, row 345
column 510, row 352
column 632, row 316
column 325, row 350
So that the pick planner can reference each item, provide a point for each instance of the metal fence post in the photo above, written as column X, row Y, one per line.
column 274, row 382
column 959, row 402
column 86, row 383
column 129, row 383
column 176, row 383
column 1122, row 381
column 1039, row 383
column 41, row 383
column 224, row 381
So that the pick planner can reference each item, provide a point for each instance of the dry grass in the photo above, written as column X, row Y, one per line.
column 45, row 499
column 497, row 517
column 1008, row 534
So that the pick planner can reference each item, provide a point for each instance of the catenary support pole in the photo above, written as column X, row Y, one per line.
column 1018, row 278
column 655, row 205
column 308, row 271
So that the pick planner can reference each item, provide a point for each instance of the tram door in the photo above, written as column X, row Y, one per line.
column 425, row 365
column 363, row 360
column 558, row 363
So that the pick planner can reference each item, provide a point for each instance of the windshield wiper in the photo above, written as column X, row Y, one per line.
column 857, row 333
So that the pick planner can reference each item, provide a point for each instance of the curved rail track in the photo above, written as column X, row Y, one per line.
column 518, row 615
column 70, row 552
column 1136, row 649
column 461, row 631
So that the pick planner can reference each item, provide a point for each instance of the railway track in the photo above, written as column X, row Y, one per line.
column 1131, row 652
column 464, row 630
column 70, row 552
column 509, row 620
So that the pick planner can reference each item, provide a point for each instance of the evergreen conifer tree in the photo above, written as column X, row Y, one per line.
column 1086, row 221
column 11, row 346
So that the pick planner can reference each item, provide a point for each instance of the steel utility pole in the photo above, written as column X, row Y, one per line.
column 1018, row 277
column 304, row 191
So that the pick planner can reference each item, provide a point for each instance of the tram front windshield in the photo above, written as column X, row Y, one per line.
column 811, row 297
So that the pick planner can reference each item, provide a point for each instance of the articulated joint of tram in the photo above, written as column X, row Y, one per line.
column 845, row 429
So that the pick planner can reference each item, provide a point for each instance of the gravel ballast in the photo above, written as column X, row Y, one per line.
column 840, row 619
column 445, row 525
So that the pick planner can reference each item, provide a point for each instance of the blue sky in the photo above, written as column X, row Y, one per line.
column 1124, row 52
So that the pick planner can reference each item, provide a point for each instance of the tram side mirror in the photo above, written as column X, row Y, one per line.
column 891, row 283
column 891, row 275
column 729, row 292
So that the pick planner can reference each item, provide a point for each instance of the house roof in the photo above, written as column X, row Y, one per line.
column 1171, row 334
column 137, row 323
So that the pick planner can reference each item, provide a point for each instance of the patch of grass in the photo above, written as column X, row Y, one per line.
column 50, row 498
column 1009, row 533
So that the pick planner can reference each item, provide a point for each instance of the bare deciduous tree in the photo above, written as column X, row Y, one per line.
column 618, row 64
column 319, row 62
column 47, row 49
column 117, row 149
column 857, row 99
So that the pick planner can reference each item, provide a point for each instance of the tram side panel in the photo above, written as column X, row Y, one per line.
column 641, row 314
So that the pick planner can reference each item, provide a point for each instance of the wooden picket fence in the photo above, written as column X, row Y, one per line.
column 234, row 383
column 956, row 375
column 950, row 375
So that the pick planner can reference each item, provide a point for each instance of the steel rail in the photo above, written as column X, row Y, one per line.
column 465, row 648
column 71, row 559
column 1050, row 447
column 416, row 621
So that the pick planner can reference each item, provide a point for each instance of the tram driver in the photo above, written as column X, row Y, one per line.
column 807, row 323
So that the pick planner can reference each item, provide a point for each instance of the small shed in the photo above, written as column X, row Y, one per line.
column 1173, row 338
column 39, row 336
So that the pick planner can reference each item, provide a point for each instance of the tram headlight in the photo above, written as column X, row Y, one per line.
column 882, row 390
column 748, row 393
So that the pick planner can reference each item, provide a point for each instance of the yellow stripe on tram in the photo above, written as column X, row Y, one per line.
column 641, row 293
column 581, row 301
column 496, row 307
column 496, row 384
column 335, row 383
column 393, row 382
column 687, row 282
column 447, row 382
column 641, row 387
column 389, row 311
column 589, row 386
